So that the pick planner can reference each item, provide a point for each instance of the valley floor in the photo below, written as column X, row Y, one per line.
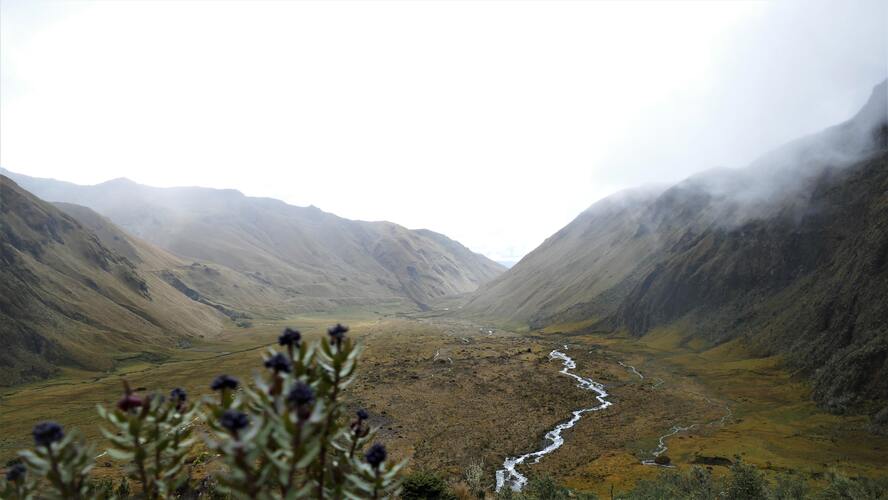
column 448, row 393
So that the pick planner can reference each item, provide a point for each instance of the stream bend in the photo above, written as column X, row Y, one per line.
column 509, row 473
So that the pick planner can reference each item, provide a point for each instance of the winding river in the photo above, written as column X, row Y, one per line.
column 509, row 474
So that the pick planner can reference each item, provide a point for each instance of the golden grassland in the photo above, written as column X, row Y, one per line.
column 448, row 392
column 772, row 422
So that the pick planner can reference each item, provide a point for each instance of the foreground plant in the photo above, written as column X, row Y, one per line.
column 283, row 436
column 62, row 460
column 153, row 434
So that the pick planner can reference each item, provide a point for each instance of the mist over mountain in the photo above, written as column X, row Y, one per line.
column 658, row 269
column 311, row 258
column 786, row 256
column 120, row 271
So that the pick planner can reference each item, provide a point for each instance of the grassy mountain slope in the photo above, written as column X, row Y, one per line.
column 788, row 255
column 809, row 281
column 224, row 289
column 581, row 268
column 311, row 257
column 67, row 299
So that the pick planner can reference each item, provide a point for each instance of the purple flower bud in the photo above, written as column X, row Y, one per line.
column 279, row 363
column 46, row 433
column 375, row 455
column 16, row 473
column 337, row 333
column 178, row 395
column 290, row 337
column 224, row 382
column 234, row 420
column 301, row 394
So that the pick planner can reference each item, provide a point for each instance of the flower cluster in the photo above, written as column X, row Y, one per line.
column 279, row 363
column 337, row 334
column 224, row 382
column 47, row 433
column 285, row 435
column 179, row 398
column 60, row 462
column 235, row 421
column 290, row 337
column 375, row 455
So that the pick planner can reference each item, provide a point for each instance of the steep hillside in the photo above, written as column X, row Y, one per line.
column 788, row 255
column 810, row 280
column 67, row 299
column 581, row 270
column 311, row 257
column 230, row 292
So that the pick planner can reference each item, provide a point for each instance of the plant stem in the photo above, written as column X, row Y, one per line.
column 296, row 441
column 322, row 458
column 351, row 452
column 251, row 478
column 63, row 488
column 157, row 466
column 140, row 466
column 376, row 485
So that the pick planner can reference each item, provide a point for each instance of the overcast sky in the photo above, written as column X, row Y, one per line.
column 495, row 123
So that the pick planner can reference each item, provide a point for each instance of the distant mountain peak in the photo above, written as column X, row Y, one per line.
column 120, row 181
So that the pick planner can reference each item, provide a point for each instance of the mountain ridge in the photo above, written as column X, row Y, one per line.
column 751, row 254
column 300, row 251
column 68, row 300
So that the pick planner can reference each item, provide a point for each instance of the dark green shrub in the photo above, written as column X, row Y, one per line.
column 696, row 484
column 790, row 487
column 545, row 488
column 123, row 489
column 745, row 483
column 841, row 487
column 425, row 485
column 102, row 489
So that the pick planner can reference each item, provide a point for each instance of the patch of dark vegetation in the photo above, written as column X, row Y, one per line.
column 425, row 485
column 745, row 482
column 26, row 356
column 142, row 314
column 231, row 313
column 196, row 296
column 176, row 283
column 135, row 282
column 146, row 356
column 719, row 461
